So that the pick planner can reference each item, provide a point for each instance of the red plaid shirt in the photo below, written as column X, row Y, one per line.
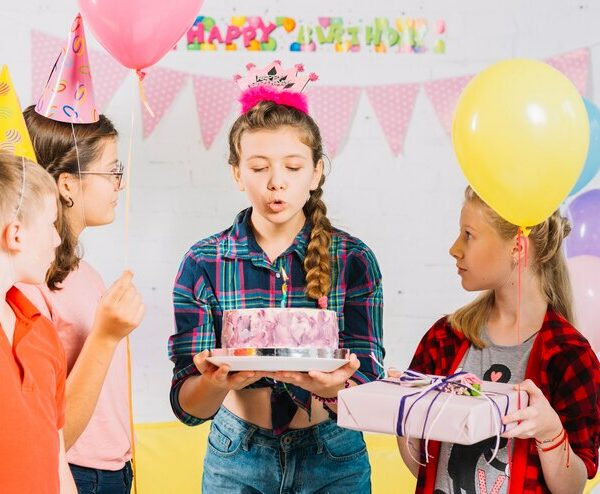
column 562, row 364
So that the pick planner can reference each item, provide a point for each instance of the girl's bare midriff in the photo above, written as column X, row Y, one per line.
column 254, row 406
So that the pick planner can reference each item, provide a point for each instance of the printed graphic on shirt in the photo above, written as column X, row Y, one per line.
column 467, row 463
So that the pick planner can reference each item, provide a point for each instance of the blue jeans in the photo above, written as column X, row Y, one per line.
column 244, row 458
column 94, row 481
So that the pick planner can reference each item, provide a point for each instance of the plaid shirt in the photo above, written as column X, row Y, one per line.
column 230, row 271
column 562, row 364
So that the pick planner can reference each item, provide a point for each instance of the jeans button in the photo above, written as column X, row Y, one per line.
column 287, row 440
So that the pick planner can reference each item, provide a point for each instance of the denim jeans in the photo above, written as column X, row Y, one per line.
column 94, row 481
column 244, row 458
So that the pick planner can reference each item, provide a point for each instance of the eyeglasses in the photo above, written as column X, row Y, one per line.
column 117, row 173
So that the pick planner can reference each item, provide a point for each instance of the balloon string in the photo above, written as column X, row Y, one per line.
column 128, row 184
column 141, row 76
column 129, row 373
column 131, row 423
column 522, row 233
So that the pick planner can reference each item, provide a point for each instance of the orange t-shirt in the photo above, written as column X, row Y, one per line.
column 32, row 395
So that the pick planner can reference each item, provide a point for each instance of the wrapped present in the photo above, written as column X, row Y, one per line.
column 457, row 409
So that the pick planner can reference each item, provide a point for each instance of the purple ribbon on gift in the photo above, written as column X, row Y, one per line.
column 438, row 385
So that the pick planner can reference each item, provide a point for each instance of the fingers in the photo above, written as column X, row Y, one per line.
column 221, row 374
column 316, row 378
column 130, row 304
column 243, row 378
column 520, row 415
column 394, row 372
column 338, row 376
column 120, row 286
column 124, row 304
column 127, row 302
column 321, row 378
column 207, row 368
column 236, row 380
column 289, row 377
column 529, row 386
column 527, row 423
column 200, row 361
column 139, row 314
column 523, row 430
column 354, row 363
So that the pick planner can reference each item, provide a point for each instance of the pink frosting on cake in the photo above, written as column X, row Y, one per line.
column 279, row 328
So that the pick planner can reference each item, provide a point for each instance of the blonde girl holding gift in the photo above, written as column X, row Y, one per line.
column 507, row 337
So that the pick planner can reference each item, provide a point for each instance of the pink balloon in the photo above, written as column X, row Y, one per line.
column 138, row 33
column 585, row 279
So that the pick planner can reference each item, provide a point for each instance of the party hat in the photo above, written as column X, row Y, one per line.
column 14, row 137
column 69, row 93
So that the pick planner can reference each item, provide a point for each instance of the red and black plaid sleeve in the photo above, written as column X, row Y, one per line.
column 574, row 379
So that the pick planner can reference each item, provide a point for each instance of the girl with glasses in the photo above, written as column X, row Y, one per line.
column 92, row 322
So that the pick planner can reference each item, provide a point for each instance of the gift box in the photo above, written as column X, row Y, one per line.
column 428, row 408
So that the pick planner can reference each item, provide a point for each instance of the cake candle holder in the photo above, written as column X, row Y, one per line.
column 284, row 290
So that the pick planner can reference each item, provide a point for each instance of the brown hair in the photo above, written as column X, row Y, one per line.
column 24, row 186
column 270, row 116
column 55, row 149
column 548, row 263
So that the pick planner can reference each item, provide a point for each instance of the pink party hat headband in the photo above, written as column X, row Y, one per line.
column 273, row 83
column 69, row 93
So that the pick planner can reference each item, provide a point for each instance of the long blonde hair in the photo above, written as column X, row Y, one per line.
column 548, row 264
column 270, row 116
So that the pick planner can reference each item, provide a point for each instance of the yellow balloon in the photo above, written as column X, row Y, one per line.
column 14, row 137
column 521, row 134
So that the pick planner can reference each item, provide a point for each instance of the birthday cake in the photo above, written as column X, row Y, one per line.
column 279, row 328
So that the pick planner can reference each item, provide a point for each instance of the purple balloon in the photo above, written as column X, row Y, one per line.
column 584, row 215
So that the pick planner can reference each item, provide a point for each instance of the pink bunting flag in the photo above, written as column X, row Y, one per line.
column 44, row 52
column 162, row 87
column 575, row 65
column 333, row 109
column 108, row 74
column 444, row 94
column 214, row 98
column 393, row 105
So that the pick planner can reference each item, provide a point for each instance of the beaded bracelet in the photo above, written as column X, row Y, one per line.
column 331, row 400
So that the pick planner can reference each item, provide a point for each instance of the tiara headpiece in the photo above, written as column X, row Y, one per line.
column 273, row 83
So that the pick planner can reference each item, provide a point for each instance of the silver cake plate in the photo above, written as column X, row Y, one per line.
column 280, row 359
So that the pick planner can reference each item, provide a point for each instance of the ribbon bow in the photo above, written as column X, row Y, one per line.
column 438, row 386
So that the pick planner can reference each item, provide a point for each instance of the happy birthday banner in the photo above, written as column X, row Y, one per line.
column 326, row 34
column 332, row 106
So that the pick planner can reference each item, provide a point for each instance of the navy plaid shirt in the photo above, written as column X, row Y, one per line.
column 230, row 271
